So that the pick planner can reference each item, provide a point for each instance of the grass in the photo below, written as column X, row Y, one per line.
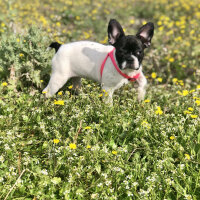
column 77, row 147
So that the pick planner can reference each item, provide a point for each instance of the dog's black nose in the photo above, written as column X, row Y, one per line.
column 129, row 60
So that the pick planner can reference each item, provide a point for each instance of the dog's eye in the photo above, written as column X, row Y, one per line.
column 138, row 53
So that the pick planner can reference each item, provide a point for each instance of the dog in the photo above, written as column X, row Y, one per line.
column 111, row 65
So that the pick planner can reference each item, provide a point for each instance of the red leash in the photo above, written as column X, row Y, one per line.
column 110, row 54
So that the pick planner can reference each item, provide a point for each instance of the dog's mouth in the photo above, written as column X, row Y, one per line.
column 132, row 66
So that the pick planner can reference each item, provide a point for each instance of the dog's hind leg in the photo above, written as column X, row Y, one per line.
column 76, row 82
column 56, row 82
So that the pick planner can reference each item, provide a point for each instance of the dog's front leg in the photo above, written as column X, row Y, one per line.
column 107, row 95
column 142, row 81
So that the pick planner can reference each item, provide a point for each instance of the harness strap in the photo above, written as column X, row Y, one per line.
column 110, row 54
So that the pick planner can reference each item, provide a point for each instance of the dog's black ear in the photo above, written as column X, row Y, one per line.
column 145, row 34
column 115, row 31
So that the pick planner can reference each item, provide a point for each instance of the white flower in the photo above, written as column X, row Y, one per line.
column 94, row 196
column 188, row 197
column 44, row 171
column 56, row 180
column 182, row 166
column 12, row 168
column 66, row 191
column 1, row 159
column 100, row 184
column 127, row 187
column 135, row 184
column 6, row 146
column 105, row 175
column 129, row 194
column 108, row 183
column 129, row 176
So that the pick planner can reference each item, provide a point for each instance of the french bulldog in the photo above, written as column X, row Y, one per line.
column 111, row 65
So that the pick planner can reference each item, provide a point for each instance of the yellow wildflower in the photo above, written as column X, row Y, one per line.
column 172, row 137
column 44, row 92
column 198, row 86
column 4, row 84
column 174, row 80
column 87, row 127
column 187, row 156
column 146, row 101
column 153, row 75
column 106, row 94
column 179, row 92
column 59, row 102
column 181, row 82
column 56, row 141
column 58, row 24
column 161, row 28
column 114, row 152
column 88, row 147
column 171, row 60
column 145, row 124
column 197, row 102
column 185, row 92
column 184, row 66
column 187, row 112
column 132, row 21
column 176, row 51
column 159, row 80
column 192, row 32
column 144, row 22
column 170, row 32
column 193, row 116
column 159, row 23
column 72, row 146
column 70, row 87
column 191, row 91
column 21, row 54
column 178, row 39
column 190, row 109
column 159, row 111
column 41, row 81
column 60, row 93
column 78, row 18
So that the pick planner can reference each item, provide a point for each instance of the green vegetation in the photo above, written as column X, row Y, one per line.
column 77, row 147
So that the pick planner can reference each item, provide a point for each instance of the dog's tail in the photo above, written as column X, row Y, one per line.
column 55, row 45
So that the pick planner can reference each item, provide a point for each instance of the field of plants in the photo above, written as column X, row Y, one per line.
column 76, row 146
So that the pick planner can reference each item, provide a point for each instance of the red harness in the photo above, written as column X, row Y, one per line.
column 134, row 78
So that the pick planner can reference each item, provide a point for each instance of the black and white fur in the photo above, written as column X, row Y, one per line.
column 83, row 59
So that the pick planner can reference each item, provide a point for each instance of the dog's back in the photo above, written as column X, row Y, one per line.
column 81, row 58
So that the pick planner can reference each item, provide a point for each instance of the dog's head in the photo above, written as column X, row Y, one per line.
column 130, row 48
